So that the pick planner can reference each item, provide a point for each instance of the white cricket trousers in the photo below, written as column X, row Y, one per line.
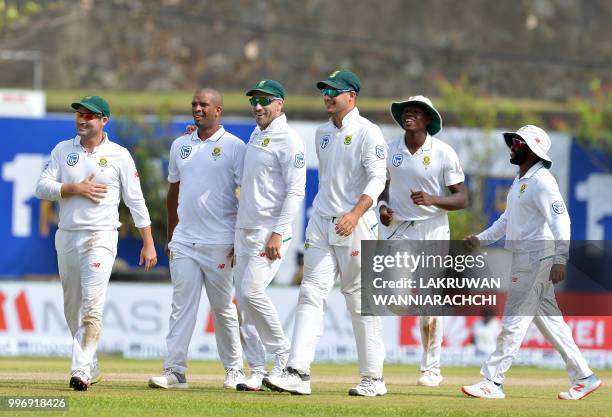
column 531, row 297
column 432, row 331
column 327, row 257
column 192, row 265
column 85, row 260
column 261, row 328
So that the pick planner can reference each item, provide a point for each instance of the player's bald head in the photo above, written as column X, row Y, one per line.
column 213, row 96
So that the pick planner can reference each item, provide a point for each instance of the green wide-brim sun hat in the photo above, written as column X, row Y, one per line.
column 397, row 108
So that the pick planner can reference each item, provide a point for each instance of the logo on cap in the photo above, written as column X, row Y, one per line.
column 333, row 74
column 261, row 83
column 72, row 159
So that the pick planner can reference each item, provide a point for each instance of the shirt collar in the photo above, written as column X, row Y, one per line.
column 276, row 124
column 532, row 170
column 77, row 142
column 426, row 146
column 214, row 138
column 348, row 118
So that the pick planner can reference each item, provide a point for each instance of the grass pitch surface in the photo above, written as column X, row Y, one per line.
column 124, row 392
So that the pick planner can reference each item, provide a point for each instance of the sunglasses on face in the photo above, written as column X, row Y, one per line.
column 333, row 92
column 262, row 101
column 86, row 116
column 517, row 141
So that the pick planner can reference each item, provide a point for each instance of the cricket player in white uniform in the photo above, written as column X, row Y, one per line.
column 537, row 230
column 204, row 171
column 352, row 162
column 89, row 175
column 273, row 187
column 422, row 170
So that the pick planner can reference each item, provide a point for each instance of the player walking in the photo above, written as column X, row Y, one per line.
column 273, row 187
column 537, row 230
column 89, row 175
column 421, row 168
column 352, row 154
column 204, row 171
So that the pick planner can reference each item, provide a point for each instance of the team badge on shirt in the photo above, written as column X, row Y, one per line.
column 265, row 142
column 348, row 139
column 300, row 161
column 558, row 207
column 523, row 188
column 397, row 160
column 324, row 141
column 103, row 162
column 380, row 152
column 72, row 159
column 185, row 151
column 426, row 161
column 216, row 152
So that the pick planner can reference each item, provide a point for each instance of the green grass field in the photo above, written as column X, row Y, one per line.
column 124, row 392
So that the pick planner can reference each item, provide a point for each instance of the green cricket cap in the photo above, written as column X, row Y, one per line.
column 95, row 104
column 341, row 80
column 269, row 87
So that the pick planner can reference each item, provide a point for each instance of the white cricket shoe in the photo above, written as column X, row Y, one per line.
column 253, row 382
column 96, row 376
column 79, row 381
column 484, row 389
column 169, row 379
column 280, row 363
column 430, row 379
column 291, row 380
column 581, row 388
column 369, row 387
column 233, row 377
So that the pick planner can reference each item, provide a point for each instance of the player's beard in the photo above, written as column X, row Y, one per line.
column 520, row 157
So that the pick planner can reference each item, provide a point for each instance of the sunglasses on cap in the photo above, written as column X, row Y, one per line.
column 86, row 116
column 333, row 92
column 262, row 101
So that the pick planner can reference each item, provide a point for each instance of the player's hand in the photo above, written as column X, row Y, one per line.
column 232, row 256
column 190, row 129
column 471, row 242
column 347, row 224
column 386, row 215
column 421, row 198
column 91, row 190
column 273, row 246
column 557, row 273
column 148, row 257
column 167, row 248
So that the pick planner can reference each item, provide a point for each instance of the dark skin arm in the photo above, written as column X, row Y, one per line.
column 172, row 209
column 386, row 213
column 456, row 201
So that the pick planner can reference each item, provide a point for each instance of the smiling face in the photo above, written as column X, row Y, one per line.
column 264, row 115
column 88, row 124
column 206, row 109
column 341, row 104
column 415, row 119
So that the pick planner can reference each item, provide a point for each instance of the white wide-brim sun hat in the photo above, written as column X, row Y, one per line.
column 537, row 140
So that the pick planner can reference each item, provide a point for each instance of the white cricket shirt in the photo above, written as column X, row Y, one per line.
column 209, row 172
column 113, row 166
column 352, row 162
column 274, row 178
column 432, row 168
column 535, row 212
